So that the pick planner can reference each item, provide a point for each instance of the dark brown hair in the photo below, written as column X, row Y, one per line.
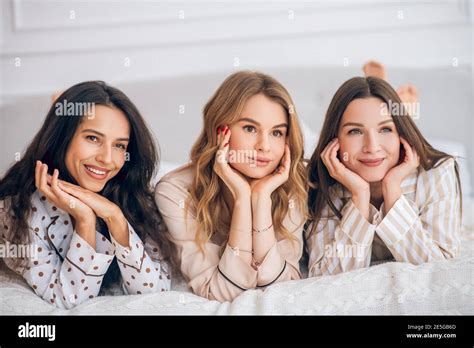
column 129, row 189
column 359, row 87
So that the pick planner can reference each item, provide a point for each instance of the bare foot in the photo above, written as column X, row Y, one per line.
column 374, row 68
column 408, row 94
column 55, row 96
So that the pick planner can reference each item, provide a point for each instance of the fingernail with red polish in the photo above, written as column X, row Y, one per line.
column 226, row 130
column 226, row 144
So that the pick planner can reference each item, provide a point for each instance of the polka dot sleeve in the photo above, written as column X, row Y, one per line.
column 141, row 266
column 63, row 269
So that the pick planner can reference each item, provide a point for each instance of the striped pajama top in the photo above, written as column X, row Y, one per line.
column 422, row 226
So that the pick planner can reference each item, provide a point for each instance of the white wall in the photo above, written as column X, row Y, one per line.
column 60, row 43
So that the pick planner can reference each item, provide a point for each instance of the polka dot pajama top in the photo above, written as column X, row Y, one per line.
column 66, row 271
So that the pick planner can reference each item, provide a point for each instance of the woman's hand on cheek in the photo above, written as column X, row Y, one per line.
column 269, row 183
column 411, row 161
column 337, row 170
column 49, row 186
column 235, row 182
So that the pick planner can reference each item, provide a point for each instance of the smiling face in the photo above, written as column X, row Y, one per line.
column 257, row 143
column 97, row 150
column 369, row 141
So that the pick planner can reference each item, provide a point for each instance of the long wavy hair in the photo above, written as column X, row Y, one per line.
column 224, row 108
column 363, row 87
column 130, row 189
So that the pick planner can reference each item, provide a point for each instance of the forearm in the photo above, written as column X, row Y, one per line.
column 362, row 202
column 86, row 229
column 262, row 219
column 416, row 237
column 391, row 193
column 240, row 235
column 72, row 280
column 118, row 228
column 339, row 255
column 142, row 276
column 339, row 245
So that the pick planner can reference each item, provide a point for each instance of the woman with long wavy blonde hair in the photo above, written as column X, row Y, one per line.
column 236, row 212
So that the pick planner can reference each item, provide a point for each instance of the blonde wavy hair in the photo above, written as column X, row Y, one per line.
column 224, row 108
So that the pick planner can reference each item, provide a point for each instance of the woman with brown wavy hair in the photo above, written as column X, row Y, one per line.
column 378, row 189
column 237, row 211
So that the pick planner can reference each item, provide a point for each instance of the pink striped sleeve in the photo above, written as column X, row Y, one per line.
column 341, row 245
column 417, row 235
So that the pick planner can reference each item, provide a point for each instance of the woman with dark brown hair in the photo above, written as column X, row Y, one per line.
column 378, row 189
column 81, row 197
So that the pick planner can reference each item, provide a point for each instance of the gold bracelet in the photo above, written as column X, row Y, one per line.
column 260, row 231
column 239, row 250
